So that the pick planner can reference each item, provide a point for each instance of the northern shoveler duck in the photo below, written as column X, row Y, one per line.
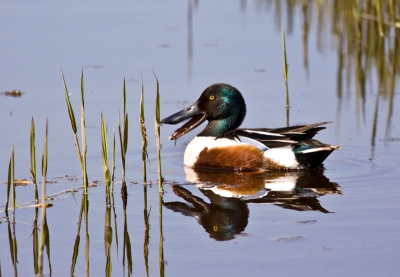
column 221, row 145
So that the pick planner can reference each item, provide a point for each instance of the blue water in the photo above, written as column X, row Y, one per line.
column 190, row 45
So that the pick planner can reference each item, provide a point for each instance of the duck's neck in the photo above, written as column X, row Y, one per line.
column 217, row 128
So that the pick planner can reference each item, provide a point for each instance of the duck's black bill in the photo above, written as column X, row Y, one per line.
column 193, row 112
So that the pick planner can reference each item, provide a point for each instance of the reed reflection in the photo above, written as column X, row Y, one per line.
column 146, row 217
column 36, row 243
column 83, row 213
column 127, row 248
column 161, row 261
column 108, row 234
column 12, row 239
column 229, row 194
column 366, row 35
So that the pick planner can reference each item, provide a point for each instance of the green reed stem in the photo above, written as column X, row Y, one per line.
column 43, row 213
column 104, row 152
column 380, row 17
column 33, row 159
column 81, row 155
column 144, row 134
column 11, row 233
column 285, row 74
column 35, row 231
column 83, row 135
column 157, row 130
column 113, row 163
column 123, row 137
column 10, row 182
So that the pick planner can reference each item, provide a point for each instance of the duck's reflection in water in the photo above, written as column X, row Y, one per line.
column 228, row 193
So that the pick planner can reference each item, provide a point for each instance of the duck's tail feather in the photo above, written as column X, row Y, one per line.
column 314, row 157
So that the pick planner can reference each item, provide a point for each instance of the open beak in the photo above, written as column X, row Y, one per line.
column 197, row 117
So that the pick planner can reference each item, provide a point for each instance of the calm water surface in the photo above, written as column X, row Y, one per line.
column 338, row 222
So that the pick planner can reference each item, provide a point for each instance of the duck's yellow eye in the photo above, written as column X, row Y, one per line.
column 212, row 97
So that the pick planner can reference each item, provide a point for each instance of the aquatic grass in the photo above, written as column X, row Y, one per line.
column 11, row 233
column 33, row 159
column 10, row 182
column 81, row 154
column 378, row 6
column 35, row 231
column 157, row 131
column 362, row 51
column 123, row 137
column 44, row 241
column 43, row 237
column 113, row 163
column 108, row 178
column 145, row 156
column 104, row 155
column 285, row 74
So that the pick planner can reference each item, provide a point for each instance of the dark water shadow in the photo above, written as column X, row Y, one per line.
column 226, row 211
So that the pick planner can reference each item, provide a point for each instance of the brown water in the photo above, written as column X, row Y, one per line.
column 338, row 222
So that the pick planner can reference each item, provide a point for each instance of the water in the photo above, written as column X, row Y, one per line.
column 344, row 221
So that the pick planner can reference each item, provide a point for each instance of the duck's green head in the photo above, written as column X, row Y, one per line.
column 221, row 104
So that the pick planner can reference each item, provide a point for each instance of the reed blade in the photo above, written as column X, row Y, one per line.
column 33, row 156
column 83, row 137
column 81, row 155
column 43, row 237
column 10, row 179
column 285, row 74
column 13, row 196
column 144, row 134
column 69, row 106
column 113, row 163
column 123, row 137
column 106, row 170
column 157, row 131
